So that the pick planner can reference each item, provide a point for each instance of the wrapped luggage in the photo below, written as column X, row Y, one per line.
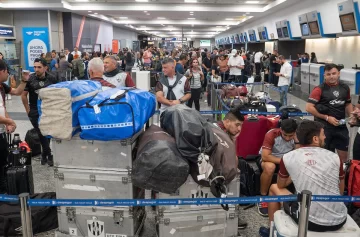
column 116, row 114
column 58, row 106
column 159, row 165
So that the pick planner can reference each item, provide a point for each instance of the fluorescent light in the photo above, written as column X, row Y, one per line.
column 229, row 19
column 145, row 11
column 191, row 14
column 218, row 26
column 190, row 1
column 95, row 13
column 123, row 17
column 81, row 0
column 142, row 26
column 162, row 25
column 89, row 11
column 148, row 14
column 191, row 18
column 141, row 0
column 161, row 18
column 252, row 2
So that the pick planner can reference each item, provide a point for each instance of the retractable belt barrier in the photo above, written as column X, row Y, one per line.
column 170, row 202
column 251, row 112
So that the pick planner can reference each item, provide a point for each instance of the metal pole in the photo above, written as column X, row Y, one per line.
column 25, row 216
column 213, row 98
column 182, row 37
column 305, row 202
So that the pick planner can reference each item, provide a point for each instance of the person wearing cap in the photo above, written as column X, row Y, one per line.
column 40, row 79
column 236, row 64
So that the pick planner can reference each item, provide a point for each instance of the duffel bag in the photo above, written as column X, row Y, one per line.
column 43, row 218
column 58, row 106
column 158, row 165
column 116, row 114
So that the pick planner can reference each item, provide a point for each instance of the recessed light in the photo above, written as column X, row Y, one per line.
column 191, row 14
column 89, row 11
column 141, row 0
column 145, row 11
column 161, row 18
column 252, row 2
column 229, row 19
column 81, row 0
column 148, row 14
column 191, row 1
column 123, row 17
column 191, row 18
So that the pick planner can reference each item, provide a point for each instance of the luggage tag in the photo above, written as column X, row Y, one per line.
column 205, row 168
column 97, row 109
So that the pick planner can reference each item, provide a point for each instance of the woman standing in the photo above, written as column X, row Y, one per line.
column 129, row 62
column 313, row 58
column 195, row 75
column 224, row 68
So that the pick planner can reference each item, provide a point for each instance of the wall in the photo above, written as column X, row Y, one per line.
column 120, row 34
column 344, row 50
column 197, row 43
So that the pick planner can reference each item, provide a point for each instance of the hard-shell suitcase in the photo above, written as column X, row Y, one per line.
column 190, row 189
column 20, row 180
column 87, row 154
column 199, row 223
column 100, row 221
column 248, row 145
column 95, row 184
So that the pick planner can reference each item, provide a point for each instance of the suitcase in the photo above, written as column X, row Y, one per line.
column 95, row 184
column 85, row 154
column 190, row 189
column 199, row 223
column 20, row 180
column 100, row 221
column 248, row 145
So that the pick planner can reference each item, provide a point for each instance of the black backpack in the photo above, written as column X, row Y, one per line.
column 249, row 179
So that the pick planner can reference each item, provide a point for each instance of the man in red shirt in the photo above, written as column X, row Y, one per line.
column 232, row 123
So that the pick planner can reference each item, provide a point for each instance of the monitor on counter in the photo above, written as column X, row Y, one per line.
column 205, row 43
column 280, row 33
column 264, row 35
column 348, row 22
column 314, row 28
column 7, row 32
column 305, row 29
column 285, row 32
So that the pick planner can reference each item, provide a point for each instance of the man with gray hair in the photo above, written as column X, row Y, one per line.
column 114, row 75
column 172, row 88
column 284, row 78
column 96, row 73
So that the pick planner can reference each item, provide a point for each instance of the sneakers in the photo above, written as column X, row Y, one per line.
column 242, row 224
column 43, row 160
column 263, row 209
column 264, row 231
column 50, row 160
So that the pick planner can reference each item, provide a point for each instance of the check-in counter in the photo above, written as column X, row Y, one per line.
column 351, row 77
column 305, row 78
column 316, row 75
column 143, row 80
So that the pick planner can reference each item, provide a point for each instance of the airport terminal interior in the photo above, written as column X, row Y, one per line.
column 184, row 100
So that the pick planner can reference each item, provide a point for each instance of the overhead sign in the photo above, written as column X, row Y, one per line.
column 7, row 32
column 36, row 42
column 205, row 43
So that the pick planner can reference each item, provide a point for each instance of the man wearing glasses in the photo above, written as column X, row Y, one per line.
column 7, row 125
column 40, row 79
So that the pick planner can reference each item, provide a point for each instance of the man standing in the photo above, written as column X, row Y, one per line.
column 257, row 61
column 172, row 88
column 236, row 64
column 329, row 103
column 180, row 65
column 114, row 75
column 272, row 67
column 315, row 169
column 40, row 79
column 284, row 79
column 96, row 73
column 68, row 55
column 147, row 57
column 76, row 52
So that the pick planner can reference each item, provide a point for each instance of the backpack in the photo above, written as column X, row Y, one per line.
column 354, row 180
column 171, row 95
column 78, row 68
column 249, row 179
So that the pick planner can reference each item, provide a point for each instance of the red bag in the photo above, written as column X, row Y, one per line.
column 242, row 90
column 273, row 122
column 354, row 180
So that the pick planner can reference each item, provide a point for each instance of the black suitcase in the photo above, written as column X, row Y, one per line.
column 20, row 180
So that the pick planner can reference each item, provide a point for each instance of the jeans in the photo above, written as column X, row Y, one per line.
column 45, row 142
column 271, row 75
column 257, row 68
column 195, row 97
column 283, row 94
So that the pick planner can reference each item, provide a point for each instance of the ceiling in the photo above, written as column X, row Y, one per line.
column 162, row 18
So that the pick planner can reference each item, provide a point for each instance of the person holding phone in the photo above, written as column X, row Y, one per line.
column 195, row 76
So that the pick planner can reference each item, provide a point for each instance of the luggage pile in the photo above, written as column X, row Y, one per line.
column 187, row 143
column 93, row 154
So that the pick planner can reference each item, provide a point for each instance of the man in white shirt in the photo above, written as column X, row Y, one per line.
column 235, row 63
column 284, row 79
column 257, row 61
column 76, row 52
column 312, row 168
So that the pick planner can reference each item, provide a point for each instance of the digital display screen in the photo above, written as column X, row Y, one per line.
column 232, row 39
column 348, row 22
column 280, row 33
column 205, row 43
column 236, row 38
column 305, row 29
column 264, row 35
column 260, row 35
column 7, row 32
column 314, row 28
column 245, row 37
column 252, row 37
column 241, row 38
column 286, row 32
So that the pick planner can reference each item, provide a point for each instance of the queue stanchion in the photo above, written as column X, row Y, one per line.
column 25, row 214
column 305, row 202
column 213, row 98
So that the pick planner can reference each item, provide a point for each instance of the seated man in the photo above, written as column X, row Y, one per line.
column 277, row 142
column 315, row 169
column 232, row 123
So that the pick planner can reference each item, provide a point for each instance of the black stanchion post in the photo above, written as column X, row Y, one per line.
column 305, row 202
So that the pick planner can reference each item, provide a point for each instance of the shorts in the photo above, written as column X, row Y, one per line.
column 336, row 138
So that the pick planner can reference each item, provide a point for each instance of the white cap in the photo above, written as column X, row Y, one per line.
column 233, row 52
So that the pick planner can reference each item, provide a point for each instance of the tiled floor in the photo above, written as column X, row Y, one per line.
column 44, row 178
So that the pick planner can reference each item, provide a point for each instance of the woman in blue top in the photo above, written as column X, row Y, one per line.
column 53, row 64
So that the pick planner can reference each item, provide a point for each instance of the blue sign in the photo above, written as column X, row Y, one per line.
column 36, row 42
column 7, row 32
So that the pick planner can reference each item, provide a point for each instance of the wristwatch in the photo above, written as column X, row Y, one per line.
column 181, row 101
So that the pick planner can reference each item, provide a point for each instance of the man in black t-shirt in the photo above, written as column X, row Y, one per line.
column 273, row 67
column 329, row 103
column 40, row 79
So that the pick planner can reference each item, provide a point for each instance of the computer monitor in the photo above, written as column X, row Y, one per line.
column 348, row 22
column 264, row 35
column 280, row 33
column 305, row 29
column 314, row 28
column 285, row 32
column 260, row 36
